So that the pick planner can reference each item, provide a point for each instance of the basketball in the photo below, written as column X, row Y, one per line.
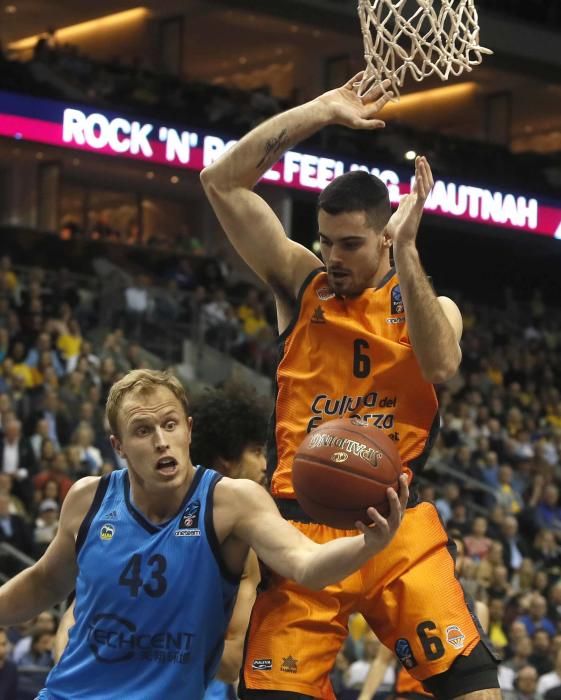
column 342, row 468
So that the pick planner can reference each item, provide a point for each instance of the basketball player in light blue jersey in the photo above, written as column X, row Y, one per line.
column 155, row 553
column 230, row 434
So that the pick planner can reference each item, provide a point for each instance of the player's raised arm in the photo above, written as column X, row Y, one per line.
column 293, row 555
column 53, row 577
column 249, row 222
column 434, row 323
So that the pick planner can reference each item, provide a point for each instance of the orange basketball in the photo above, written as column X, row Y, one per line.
column 343, row 467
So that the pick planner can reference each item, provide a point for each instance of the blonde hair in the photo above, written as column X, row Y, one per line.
column 142, row 381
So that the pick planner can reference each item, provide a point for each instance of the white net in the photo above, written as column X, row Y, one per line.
column 438, row 36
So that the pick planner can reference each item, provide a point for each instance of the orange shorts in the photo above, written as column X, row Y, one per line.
column 408, row 594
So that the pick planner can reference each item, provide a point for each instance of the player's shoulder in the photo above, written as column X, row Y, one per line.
column 84, row 487
column 240, row 489
column 79, row 499
column 239, row 497
column 236, row 500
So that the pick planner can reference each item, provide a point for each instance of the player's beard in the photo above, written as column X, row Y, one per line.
column 341, row 284
column 347, row 285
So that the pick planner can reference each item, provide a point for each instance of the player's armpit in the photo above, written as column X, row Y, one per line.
column 61, row 637
column 53, row 577
column 232, row 656
column 259, row 237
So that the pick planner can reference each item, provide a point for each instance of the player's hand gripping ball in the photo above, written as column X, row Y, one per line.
column 342, row 468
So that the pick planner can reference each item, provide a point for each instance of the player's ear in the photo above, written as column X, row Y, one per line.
column 190, row 428
column 116, row 445
column 386, row 239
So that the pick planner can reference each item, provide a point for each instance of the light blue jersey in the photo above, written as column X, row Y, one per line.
column 217, row 690
column 152, row 601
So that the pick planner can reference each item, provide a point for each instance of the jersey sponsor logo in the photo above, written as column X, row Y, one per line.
column 396, row 304
column 262, row 664
column 319, row 315
column 455, row 636
column 111, row 515
column 339, row 457
column 289, row 665
column 113, row 639
column 395, row 319
column 353, row 447
column 107, row 531
column 404, row 653
column 324, row 293
column 189, row 521
column 324, row 406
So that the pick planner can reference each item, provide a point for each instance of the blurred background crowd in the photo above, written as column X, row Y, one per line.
column 494, row 472
column 124, row 277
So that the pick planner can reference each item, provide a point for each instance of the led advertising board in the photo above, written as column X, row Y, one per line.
column 90, row 129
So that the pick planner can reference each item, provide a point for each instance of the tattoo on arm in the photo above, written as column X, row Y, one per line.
column 273, row 146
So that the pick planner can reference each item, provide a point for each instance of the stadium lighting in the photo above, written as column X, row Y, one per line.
column 75, row 32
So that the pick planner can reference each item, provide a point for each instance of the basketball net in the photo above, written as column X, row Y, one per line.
column 443, row 40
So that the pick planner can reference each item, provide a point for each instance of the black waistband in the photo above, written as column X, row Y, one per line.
column 290, row 509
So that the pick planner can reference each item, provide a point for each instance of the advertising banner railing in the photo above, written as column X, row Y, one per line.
column 93, row 130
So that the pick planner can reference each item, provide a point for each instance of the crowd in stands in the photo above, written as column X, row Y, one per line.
column 53, row 384
column 177, row 242
column 194, row 296
column 494, row 471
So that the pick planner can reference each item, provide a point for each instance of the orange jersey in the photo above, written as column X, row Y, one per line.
column 342, row 357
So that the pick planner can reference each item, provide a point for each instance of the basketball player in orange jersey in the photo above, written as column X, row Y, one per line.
column 357, row 337
column 407, row 687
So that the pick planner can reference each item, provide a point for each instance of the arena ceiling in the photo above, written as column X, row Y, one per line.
column 536, row 95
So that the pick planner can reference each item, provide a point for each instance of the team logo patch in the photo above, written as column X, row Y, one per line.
column 339, row 457
column 319, row 315
column 455, row 636
column 404, row 653
column 107, row 531
column 396, row 301
column 190, row 517
column 289, row 665
column 324, row 293
column 262, row 664
column 189, row 521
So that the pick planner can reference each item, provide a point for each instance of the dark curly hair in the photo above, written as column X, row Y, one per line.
column 225, row 422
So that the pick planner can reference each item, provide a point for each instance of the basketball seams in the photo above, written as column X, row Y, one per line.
column 340, row 470
column 370, row 441
column 330, row 465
